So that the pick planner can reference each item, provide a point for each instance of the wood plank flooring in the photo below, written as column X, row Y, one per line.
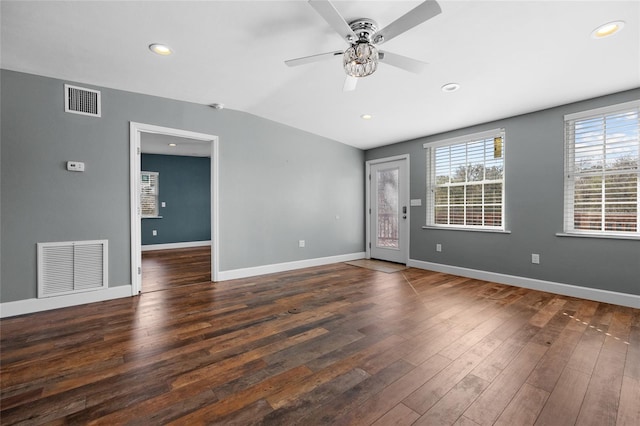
column 335, row 344
column 165, row 269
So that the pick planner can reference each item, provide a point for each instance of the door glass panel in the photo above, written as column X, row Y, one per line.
column 387, row 181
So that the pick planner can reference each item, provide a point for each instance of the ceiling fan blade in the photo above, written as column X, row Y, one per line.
column 416, row 16
column 403, row 62
column 313, row 58
column 330, row 14
column 350, row 84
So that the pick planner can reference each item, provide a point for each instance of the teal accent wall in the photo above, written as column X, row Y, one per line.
column 185, row 187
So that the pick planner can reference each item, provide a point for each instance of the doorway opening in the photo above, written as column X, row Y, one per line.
column 170, row 268
column 387, row 204
column 141, row 138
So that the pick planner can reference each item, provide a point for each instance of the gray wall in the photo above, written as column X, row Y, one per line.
column 185, row 187
column 277, row 184
column 534, row 210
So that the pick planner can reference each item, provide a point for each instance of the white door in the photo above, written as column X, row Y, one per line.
column 389, row 199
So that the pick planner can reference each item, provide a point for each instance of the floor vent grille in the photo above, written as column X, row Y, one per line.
column 80, row 100
column 72, row 267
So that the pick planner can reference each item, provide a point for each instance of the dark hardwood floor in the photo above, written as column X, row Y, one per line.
column 165, row 269
column 336, row 344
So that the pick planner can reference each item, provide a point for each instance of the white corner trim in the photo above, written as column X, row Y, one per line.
column 168, row 246
column 28, row 306
column 287, row 266
column 598, row 295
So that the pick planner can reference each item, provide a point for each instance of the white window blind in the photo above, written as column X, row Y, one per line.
column 465, row 181
column 149, row 190
column 602, row 170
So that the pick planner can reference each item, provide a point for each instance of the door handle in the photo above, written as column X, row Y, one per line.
column 404, row 209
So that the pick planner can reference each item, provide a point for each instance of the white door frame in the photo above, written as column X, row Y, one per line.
column 367, row 179
column 135, row 131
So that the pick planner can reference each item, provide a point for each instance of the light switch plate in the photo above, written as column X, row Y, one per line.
column 416, row 202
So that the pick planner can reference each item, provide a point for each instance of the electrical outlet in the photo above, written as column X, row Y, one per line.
column 75, row 166
column 163, row 204
column 301, row 243
column 154, row 233
column 535, row 258
column 438, row 247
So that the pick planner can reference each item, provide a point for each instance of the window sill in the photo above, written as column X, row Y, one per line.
column 604, row 236
column 151, row 217
column 492, row 231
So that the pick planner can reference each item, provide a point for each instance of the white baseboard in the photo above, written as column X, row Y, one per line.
column 21, row 307
column 287, row 266
column 168, row 246
column 623, row 299
column 28, row 306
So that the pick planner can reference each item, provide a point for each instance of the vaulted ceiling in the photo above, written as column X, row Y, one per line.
column 509, row 58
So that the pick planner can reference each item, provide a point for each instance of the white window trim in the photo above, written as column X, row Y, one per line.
column 568, row 211
column 466, row 138
column 475, row 229
column 157, row 215
column 602, row 111
column 430, row 196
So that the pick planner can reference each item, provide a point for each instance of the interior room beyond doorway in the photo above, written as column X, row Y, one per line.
column 166, row 269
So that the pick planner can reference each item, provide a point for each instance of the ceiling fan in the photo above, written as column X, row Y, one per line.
column 362, row 56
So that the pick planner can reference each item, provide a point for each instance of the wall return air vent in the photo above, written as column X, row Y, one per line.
column 72, row 267
column 80, row 100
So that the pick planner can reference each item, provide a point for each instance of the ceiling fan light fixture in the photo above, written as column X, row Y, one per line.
column 360, row 60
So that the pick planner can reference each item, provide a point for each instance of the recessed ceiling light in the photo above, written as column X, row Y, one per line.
column 607, row 29
column 366, row 116
column 172, row 144
column 160, row 49
column 450, row 87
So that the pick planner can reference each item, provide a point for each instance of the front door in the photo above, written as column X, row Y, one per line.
column 389, row 211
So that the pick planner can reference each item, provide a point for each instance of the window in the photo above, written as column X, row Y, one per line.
column 149, row 194
column 602, row 171
column 465, row 181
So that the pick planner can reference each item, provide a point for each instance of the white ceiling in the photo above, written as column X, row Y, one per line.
column 510, row 57
column 156, row 143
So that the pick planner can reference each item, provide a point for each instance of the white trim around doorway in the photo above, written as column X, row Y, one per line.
column 135, row 131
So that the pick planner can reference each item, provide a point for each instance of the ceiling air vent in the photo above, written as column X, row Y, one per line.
column 80, row 100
